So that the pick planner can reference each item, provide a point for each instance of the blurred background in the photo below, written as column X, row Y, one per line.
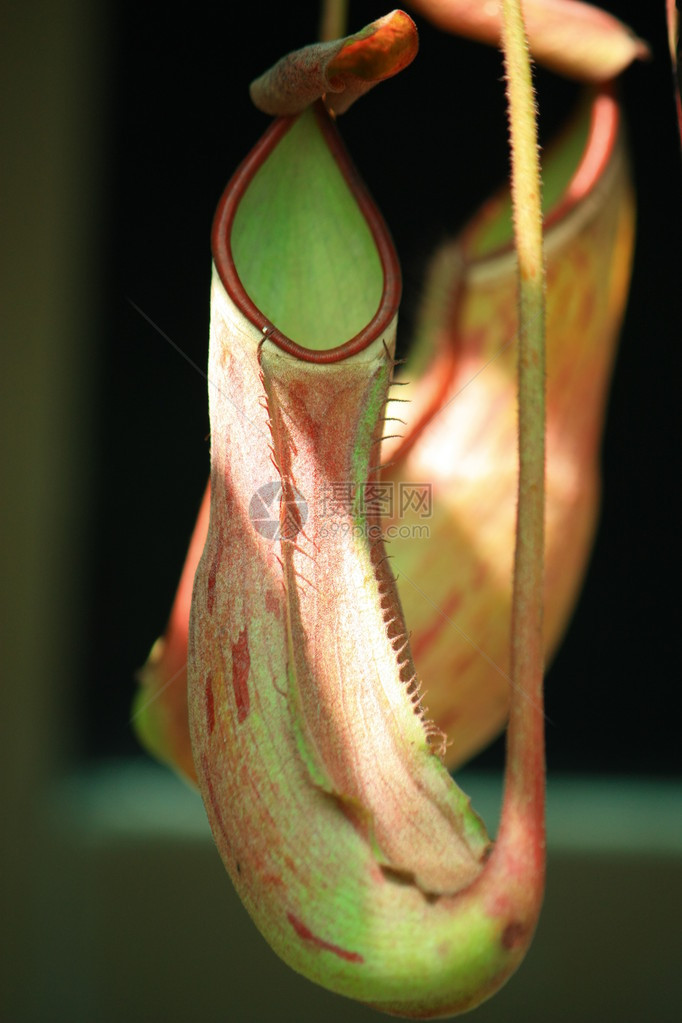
column 122, row 123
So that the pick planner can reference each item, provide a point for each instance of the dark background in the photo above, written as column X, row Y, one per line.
column 431, row 145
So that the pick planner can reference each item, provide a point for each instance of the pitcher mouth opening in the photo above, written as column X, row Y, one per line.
column 601, row 139
column 389, row 287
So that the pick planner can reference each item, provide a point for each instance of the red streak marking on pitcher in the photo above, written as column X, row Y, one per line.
column 213, row 799
column 424, row 639
column 272, row 603
column 212, row 574
column 307, row 935
column 241, row 663
column 210, row 706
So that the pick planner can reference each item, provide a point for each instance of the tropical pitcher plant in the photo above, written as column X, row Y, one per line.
column 311, row 610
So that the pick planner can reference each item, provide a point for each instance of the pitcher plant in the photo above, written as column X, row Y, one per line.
column 371, row 528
